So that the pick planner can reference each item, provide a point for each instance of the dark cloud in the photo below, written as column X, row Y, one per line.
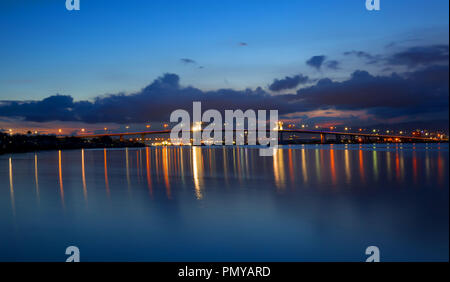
column 57, row 107
column 415, row 56
column 243, row 44
column 187, row 61
column 316, row 61
column 420, row 56
column 420, row 94
column 288, row 82
column 153, row 103
column 333, row 64
column 369, row 58
column 422, row 91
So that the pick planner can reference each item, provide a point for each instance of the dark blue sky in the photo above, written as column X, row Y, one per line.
column 113, row 46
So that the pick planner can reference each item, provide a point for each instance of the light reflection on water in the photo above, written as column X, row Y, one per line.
column 308, row 202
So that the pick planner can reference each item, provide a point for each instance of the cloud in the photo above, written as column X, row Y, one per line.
column 421, row 94
column 243, row 44
column 414, row 93
column 369, row 58
column 187, row 61
column 316, row 61
column 57, row 107
column 420, row 56
column 288, row 82
column 359, row 54
column 333, row 64
column 415, row 56
column 153, row 103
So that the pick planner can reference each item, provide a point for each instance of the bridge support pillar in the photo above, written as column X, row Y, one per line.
column 338, row 138
column 322, row 138
column 121, row 138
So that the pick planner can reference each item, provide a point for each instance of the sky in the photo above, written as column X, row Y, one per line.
column 271, row 52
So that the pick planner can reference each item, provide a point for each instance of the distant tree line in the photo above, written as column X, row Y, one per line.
column 28, row 142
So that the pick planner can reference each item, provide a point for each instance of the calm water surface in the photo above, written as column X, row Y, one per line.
column 308, row 203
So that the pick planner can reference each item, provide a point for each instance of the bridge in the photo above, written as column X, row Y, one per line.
column 338, row 136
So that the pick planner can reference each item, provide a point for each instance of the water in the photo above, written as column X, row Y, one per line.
column 308, row 203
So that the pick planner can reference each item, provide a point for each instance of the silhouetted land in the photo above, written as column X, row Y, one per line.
column 19, row 143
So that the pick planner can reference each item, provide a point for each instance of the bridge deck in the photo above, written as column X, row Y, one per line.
column 320, row 132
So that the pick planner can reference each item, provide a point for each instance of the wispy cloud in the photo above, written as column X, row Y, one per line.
column 188, row 61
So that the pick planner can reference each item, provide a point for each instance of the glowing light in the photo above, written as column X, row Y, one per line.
column 61, row 186
column 280, row 125
column 83, row 176
column 197, row 126
column 11, row 187
column 148, row 126
column 83, row 130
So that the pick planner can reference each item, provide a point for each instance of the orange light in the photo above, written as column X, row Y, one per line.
column 59, row 130
column 148, row 126
column 105, row 128
column 83, row 130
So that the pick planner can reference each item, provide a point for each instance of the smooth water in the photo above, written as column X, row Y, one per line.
column 308, row 203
